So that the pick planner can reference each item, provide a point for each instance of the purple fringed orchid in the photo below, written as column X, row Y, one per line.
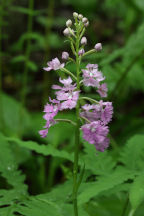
column 54, row 65
column 91, row 75
column 95, row 116
column 96, row 133
column 66, row 94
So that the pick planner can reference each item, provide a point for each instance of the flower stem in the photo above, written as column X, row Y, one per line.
column 26, row 69
column 89, row 99
column 46, row 75
column 66, row 120
column 69, row 73
column 1, row 107
column 131, row 213
column 27, row 54
column 77, row 133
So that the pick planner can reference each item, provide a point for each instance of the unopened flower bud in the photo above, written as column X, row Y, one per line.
column 81, row 52
column 68, row 23
column 66, row 32
column 80, row 16
column 84, row 41
column 84, row 20
column 98, row 47
column 75, row 15
column 86, row 24
column 65, row 55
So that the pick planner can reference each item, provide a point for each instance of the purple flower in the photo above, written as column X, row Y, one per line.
column 65, row 55
column 66, row 94
column 54, row 65
column 96, row 133
column 98, row 112
column 81, row 52
column 43, row 133
column 102, row 90
column 70, row 99
column 92, row 76
column 50, row 111
column 84, row 41
column 98, row 47
column 106, row 113
column 68, row 86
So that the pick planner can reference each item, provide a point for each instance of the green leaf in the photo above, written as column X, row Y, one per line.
column 11, row 116
column 9, row 171
column 92, row 189
column 42, row 149
column 24, row 10
column 18, row 59
column 32, row 65
column 136, row 194
column 132, row 155
column 103, row 164
column 139, row 4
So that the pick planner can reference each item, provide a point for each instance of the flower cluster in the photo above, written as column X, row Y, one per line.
column 92, row 77
column 66, row 98
column 96, row 131
column 94, row 116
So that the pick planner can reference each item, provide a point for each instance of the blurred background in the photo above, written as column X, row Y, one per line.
column 30, row 35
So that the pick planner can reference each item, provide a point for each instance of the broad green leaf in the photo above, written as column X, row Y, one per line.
column 132, row 155
column 9, row 170
column 24, row 10
column 11, row 110
column 136, row 194
column 99, row 163
column 42, row 149
column 17, row 59
column 92, row 189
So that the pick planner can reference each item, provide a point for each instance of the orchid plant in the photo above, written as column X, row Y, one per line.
column 92, row 117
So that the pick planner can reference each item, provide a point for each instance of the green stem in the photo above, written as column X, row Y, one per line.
column 125, row 207
column 1, row 107
column 66, row 120
column 27, row 54
column 89, row 52
column 77, row 134
column 46, row 75
column 118, row 85
column 89, row 99
column 27, row 57
column 131, row 213
column 69, row 73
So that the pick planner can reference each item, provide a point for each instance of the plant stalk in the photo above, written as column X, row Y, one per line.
column 1, row 107
column 27, row 57
column 27, row 54
column 46, row 75
column 77, row 133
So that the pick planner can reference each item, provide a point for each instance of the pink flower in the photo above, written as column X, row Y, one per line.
column 84, row 41
column 96, row 133
column 98, row 112
column 81, row 52
column 67, row 85
column 102, row 90
column 98, row 47
column 92, row 76
column 50, row 111
column 70, row 100
column 43, row 133
column 65, row 55
column 66, row 94
column 106, row 113
column 54, row 65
